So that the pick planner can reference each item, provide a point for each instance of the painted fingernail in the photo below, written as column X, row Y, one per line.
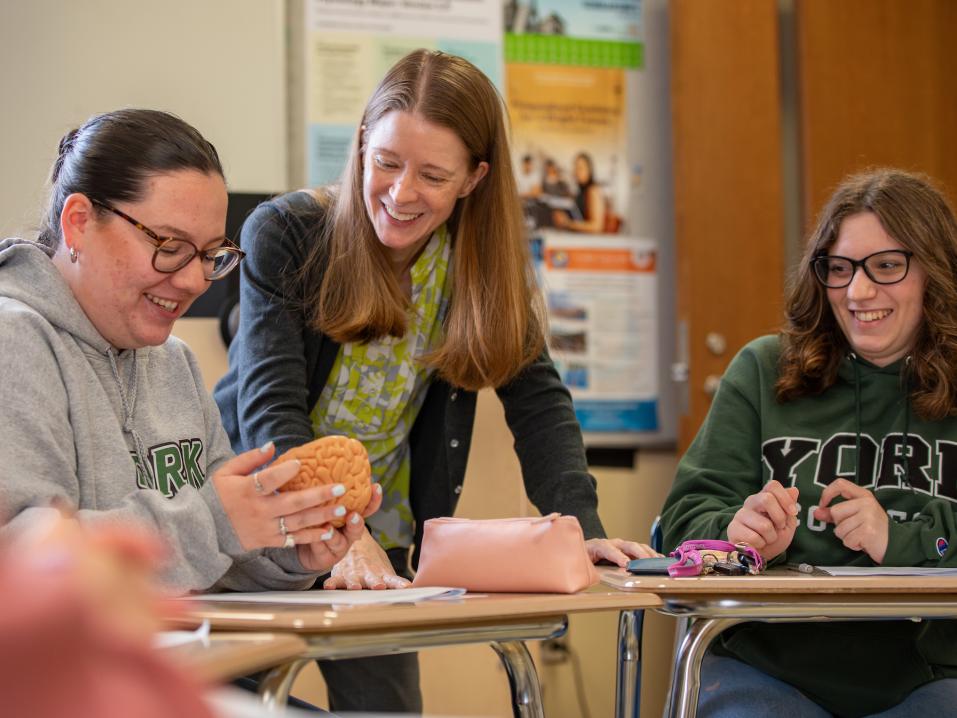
column 267, row 447
column 338, row 489
column 378, row 488
column 354, row 519
column 340, row 511
column 327, row 535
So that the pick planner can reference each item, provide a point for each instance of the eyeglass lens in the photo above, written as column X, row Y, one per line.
column 883, row 268
column 175, row 254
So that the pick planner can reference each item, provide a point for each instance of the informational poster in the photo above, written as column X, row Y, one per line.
column 566, row 64
column 603, row 326
column 568, row 127
column 350, row 44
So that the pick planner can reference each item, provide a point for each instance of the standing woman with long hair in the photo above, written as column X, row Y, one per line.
column 378, row 308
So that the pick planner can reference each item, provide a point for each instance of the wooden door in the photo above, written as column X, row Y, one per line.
column 729, row 221
column 878, row 86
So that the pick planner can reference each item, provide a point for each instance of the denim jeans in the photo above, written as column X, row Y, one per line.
column 732, row 689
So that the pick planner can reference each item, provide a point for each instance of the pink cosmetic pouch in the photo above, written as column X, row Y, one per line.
column 543, row 554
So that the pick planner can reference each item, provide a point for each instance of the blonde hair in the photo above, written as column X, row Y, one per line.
column 915, row 214
column 495, row 322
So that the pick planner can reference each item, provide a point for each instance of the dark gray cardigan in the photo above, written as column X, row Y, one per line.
column 278, row 366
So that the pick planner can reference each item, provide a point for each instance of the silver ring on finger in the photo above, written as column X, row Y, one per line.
column 290, row 542
column 258, row 484
column 282, row 526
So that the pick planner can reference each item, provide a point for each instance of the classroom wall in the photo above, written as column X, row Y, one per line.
column 219, row 64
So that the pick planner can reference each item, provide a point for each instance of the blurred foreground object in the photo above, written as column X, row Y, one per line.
column 79, row 614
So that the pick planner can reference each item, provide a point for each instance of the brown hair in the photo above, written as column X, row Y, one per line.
column 916, row 214
column 111, row 156
column 494, row 325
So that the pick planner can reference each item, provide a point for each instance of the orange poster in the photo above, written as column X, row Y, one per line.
column 568, row 138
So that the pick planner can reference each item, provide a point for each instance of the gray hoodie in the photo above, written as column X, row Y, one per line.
column 123, row 437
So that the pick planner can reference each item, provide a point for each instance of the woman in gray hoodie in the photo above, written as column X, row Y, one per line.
column 106, row 412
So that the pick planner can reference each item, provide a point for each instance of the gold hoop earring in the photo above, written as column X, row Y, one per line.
column 74, row 255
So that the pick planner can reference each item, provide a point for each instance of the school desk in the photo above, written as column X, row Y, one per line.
column 714, row 603
column 222, row 656
column 502, row 620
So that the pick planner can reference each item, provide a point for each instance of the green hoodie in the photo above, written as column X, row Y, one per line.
column 749, row 438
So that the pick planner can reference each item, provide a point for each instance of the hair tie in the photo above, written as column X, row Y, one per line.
column 66, row 144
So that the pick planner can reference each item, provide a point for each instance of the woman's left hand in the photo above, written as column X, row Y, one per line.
column 860, row 521
column 618, row 551
column 365, row 566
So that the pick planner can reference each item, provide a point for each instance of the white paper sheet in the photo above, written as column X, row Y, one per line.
column 337, row 597
column 886, row 571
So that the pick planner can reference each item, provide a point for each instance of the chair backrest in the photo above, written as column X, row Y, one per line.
column 657, row 538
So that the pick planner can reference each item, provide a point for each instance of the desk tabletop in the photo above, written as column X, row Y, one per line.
column 472, row 609
column 779, row 581
column 224, row 656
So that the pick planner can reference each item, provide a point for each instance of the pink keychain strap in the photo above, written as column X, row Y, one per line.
column 688, row 557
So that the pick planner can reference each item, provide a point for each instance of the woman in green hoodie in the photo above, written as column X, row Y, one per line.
column 835, row 443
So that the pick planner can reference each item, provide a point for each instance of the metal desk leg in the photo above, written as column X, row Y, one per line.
column 522, row 679
column 686, row 679
column 628, row 689
column 275, row 686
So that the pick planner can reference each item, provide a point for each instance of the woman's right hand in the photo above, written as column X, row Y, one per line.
column 255, row 510
column 767, row 520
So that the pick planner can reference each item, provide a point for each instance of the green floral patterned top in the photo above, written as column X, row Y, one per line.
column 375, row 391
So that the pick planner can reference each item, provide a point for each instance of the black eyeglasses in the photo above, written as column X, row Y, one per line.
column 887, row 267
column 172, row 254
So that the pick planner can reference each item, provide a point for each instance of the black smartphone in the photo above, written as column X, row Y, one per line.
column 650, row 566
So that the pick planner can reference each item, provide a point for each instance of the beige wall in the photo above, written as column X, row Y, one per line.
column 219, row 64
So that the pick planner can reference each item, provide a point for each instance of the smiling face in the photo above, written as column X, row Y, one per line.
column 881, row 321
column 130, row 303
column 414, row 172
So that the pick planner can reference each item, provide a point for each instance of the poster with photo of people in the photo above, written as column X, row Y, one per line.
column 568, row 131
